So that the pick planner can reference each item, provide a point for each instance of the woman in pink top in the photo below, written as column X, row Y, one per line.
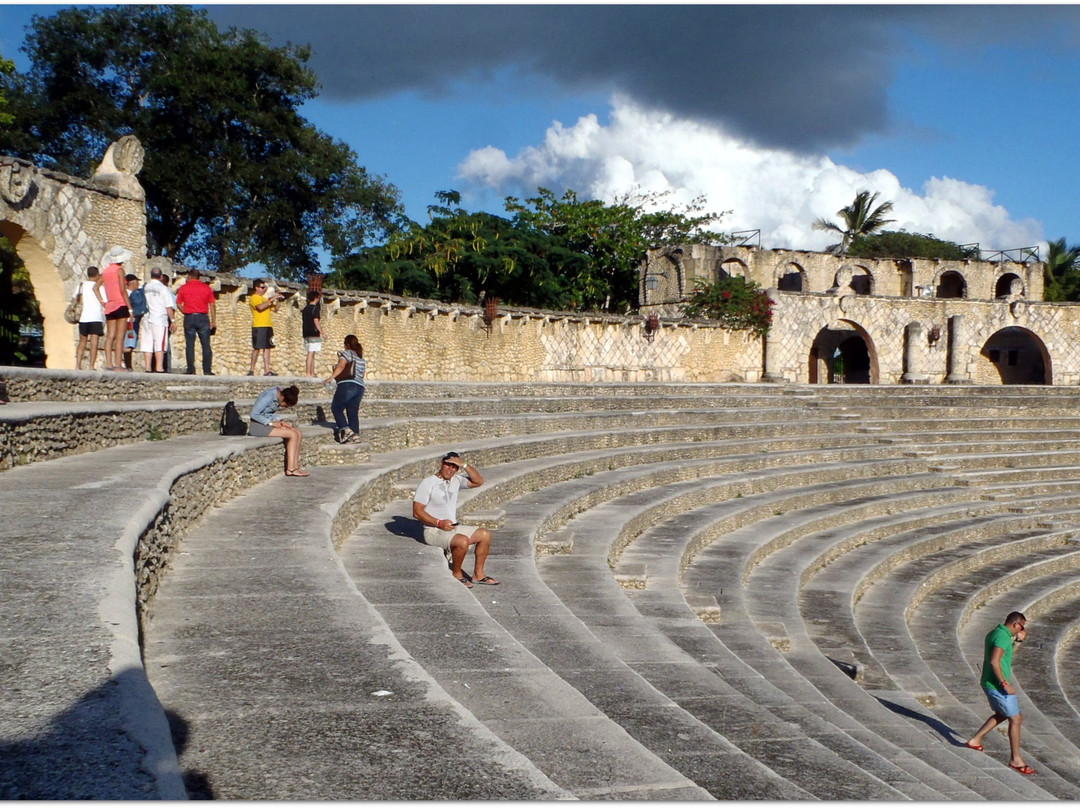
column 117, row 306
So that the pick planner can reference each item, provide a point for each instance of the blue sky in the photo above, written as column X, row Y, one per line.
column 963, row 116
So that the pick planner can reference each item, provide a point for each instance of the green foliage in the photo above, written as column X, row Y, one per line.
column 233, row 173
column 860, row 218
column 1062, row 276
column 614, row 238
column 737, row 303
column 20, row 318
column 554, row 253
column 900, row 244
column 7, row 67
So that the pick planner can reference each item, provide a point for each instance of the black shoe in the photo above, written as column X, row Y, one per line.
column 209, row 373
column 270, row 373
column 337, row 436
column 189, row 372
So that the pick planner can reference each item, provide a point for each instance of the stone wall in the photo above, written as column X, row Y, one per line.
column 60, row 225
column 422, row 340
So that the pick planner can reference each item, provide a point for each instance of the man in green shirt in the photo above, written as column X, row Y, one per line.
column 996, row 683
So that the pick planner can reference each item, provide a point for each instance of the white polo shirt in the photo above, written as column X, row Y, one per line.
column 439, row 496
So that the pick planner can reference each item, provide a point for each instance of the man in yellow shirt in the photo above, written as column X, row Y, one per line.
column 262, row 325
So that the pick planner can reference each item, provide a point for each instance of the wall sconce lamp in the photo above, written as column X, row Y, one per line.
column 652, row 281
column 933, row 335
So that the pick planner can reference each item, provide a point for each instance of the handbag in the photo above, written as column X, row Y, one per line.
column 129, row 337
column 74, row 310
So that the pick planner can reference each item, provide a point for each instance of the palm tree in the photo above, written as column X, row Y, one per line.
column 860, row 218
column 1061, row 280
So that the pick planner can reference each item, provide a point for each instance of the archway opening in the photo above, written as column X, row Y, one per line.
column 862, row 283
column 840, row 355
column 1004, row 285
column 1014, row 355
column 731, row 268
column 951, row 285
column 791, row 280
column 22, row 332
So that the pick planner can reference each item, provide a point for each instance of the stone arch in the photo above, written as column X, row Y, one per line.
column 1008, row 285
column 1014, row 355
column 791, row 278
column 856, row 277
column 843, row 353
column 59, row 225
column 731, row 268
column 951, row 284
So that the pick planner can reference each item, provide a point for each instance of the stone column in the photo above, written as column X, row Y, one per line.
column 770, row 359
column 957, row 352
column 914, row 337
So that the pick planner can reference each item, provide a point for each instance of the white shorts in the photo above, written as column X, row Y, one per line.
column 441, row 538
column 153, row 336
column 314, row 345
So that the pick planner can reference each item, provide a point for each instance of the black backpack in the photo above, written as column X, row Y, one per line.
column 231, row 422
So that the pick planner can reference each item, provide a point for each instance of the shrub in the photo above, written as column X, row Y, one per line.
column 735, row 303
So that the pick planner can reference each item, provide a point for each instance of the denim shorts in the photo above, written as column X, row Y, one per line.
column 1003, row 703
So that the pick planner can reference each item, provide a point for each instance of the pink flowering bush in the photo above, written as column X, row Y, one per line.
column 734, row 302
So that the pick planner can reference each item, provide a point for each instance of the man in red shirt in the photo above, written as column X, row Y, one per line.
column 196, row 300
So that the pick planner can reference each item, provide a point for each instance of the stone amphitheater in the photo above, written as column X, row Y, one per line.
column 709, row 591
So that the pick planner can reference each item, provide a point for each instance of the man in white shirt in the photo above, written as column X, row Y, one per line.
column 91, row 320
column 435, row 505
column 157, row 323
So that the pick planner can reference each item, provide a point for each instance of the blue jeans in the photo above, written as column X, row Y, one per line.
column 346, row 405
column 198, row 324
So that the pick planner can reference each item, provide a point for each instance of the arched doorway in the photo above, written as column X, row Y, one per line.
column 1009, row 284
column 951, row 285
column 792, row 279
column 1014, row 355
column 842, row 354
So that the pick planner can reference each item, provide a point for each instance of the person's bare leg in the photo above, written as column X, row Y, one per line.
column 254, row 359
column 459, row 546
column 94, row 341
column 1014, row 740
column 482, row 546
column 266, row 361
column 989, row 724
column 79, row 353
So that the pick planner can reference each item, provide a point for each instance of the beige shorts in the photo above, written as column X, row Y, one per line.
column 441, row 538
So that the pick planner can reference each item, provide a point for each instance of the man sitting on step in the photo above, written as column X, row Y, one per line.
column 435, row 505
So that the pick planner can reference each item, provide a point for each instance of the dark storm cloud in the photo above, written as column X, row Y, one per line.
column 801, row 77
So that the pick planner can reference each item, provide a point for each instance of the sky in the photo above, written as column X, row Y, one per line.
column 964, row 116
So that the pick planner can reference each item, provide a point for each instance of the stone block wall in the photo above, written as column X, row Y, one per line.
column 421, row 340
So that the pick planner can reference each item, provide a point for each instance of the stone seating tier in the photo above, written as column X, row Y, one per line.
column 302, row 645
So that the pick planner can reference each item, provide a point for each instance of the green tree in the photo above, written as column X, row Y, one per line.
column 614, row 238
column 737, row 303
column 900, row 244
column 20, row 318
column 860, row 218
column 233, row 173
column 462, row 256
column 1062, row 277
column 7, row 67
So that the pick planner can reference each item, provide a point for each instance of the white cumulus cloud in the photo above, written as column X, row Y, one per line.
column 777, row 192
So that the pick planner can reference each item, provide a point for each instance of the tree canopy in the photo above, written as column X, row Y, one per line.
column 555, row 252
column 233, row 173
column 900, row 244
column 1062, row 276
column 860, row 218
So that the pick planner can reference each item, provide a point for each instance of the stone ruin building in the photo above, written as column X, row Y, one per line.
column 886, row 321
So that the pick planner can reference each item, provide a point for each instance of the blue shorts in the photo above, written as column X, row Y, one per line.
column 1003, row 703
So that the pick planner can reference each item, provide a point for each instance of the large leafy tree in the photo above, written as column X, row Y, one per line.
column 464, row 256
column 7, row 67
column 233, row 173
column 900, row 244
column 1062, row 276
column 860, row 218
column 614, row 237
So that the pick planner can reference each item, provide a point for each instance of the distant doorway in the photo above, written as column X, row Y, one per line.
column 1014, row 356
column 840, row 356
